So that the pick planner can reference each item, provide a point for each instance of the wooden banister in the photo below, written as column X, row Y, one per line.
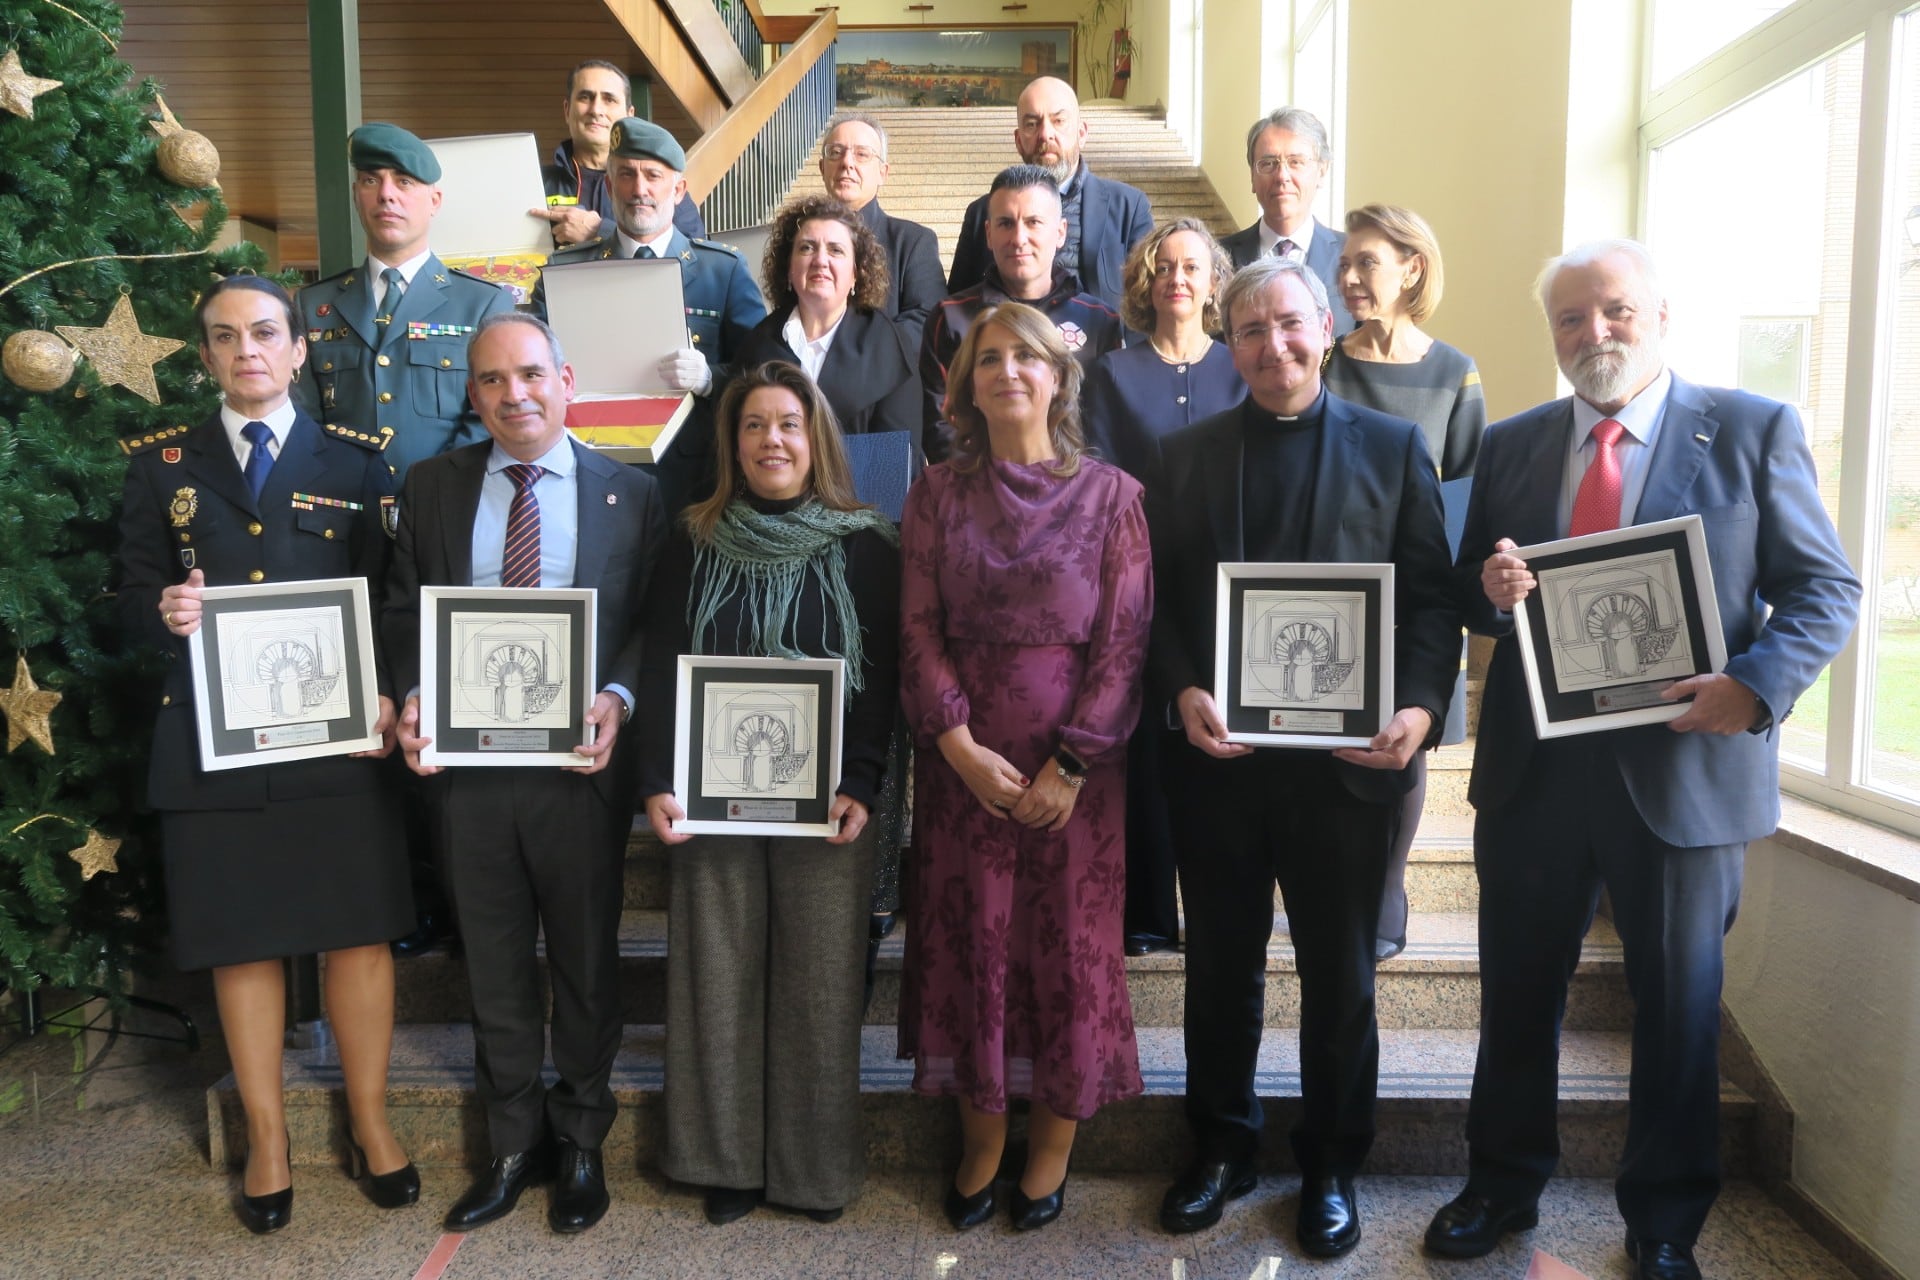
column 781, row 29
column 709, row 159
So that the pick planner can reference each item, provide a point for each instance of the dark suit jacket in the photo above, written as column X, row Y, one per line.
column 1741, row 463
column 185, row 506
column 914, row 284
column 622, row 529
column 1113, row 216
column 868, row 376
column 1323, row 259
column 1376, row 498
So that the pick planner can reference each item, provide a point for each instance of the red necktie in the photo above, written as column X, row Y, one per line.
column 520, row 561
column 1596, row 504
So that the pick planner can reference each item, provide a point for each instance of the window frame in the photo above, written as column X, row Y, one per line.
column 1776, row 50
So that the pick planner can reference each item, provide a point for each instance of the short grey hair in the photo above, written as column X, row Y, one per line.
column 534, row 322
column 866, row 118
column 1294, row 120
column 1590, row 252
column 1262, row 274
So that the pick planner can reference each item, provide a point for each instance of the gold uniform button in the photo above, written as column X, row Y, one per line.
column 257, row 576
column 254, row 528
column 186, row 537
column 446, row 363
column 166, row 699
column 326, row 533
column 327, row 367
column 386, row 397
column 383, row 362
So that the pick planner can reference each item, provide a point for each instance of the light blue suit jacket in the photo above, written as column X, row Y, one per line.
column 1741, row 463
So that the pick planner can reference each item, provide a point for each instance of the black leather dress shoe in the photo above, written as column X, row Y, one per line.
column 1658, row 1260
column 730, row 1204
column 968, row 1212
column 1141, row 944
column 1470, row 1225
column 430, row 930
column 579, row 1195
column 1031, row 1215
column 1198, row 1197
column 1329, row 1222
column 495, row 1192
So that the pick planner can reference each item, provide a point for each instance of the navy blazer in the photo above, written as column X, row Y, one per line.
column 1114, row 217
column 1323, row 259
column 186, row 506
column 1376, row 498
column 914, row 283
column 1741, row 463
column 622, row 530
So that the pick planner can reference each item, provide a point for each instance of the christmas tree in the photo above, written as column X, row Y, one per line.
column 108, row 209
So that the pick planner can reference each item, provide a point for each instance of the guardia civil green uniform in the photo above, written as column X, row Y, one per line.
column 404, row 365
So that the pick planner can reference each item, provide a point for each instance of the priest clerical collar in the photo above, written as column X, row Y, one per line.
column 1307, row 420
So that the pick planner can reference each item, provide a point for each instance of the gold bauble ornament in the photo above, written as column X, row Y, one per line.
column 36, row 360
column 120, row 353
column 188, row 159
column 28, row 709
column 98, row 854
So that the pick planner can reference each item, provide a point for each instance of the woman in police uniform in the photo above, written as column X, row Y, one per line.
column 281, row 859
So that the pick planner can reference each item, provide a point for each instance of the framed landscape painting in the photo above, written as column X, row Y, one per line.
column 919, row 67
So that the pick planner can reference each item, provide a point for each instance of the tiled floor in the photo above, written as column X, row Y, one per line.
column 105, row 1175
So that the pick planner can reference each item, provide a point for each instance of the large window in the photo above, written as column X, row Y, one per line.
column 1783, row 204
column 1319, row 85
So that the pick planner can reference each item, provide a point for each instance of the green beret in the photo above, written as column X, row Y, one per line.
column 388, row 146
column 644, row 140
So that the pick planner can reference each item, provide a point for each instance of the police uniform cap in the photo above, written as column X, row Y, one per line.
column 388, row 146
column 640, row 139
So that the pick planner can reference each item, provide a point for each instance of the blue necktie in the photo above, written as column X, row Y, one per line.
column 259, row 461
column 644, row 251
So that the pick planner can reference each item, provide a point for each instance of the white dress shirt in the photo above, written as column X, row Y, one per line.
column 1633, row 450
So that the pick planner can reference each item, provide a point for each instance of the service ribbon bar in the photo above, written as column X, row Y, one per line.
column 308, row 501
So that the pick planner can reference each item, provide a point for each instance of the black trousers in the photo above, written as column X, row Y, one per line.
column 1542, row 859
column 1242, row 825
column 1152, row 906
column 526, row 851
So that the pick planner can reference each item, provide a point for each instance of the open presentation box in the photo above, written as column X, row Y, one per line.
column 617, row 319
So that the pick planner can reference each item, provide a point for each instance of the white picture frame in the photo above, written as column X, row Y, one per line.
column 507, row 675
column 757, row 744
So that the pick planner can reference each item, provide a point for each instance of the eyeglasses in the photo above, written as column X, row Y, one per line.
column 1258, row 335
column 1266, row 166
column 841, row 151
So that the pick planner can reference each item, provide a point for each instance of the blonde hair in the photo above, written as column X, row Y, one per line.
column 1409, row 233
column 1136, row 302
column 830, row 478
column 1063, row 415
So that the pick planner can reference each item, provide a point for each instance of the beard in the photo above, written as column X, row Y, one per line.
column 1061, row 170
column 1610, row 372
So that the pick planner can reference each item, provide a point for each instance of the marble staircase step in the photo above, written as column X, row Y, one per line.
column 1425, row 1078
column 1434, row 983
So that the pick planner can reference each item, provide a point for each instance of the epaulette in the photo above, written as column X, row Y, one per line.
column 468, row 275
column 715, row 244
column 585, row 251
column 133, row 445
column 365, row 439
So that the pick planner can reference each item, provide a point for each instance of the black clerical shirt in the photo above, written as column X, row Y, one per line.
column 1277, row 465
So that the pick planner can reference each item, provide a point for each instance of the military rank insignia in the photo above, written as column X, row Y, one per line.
column 418, row 329
column 390, row 516
column 186, row 503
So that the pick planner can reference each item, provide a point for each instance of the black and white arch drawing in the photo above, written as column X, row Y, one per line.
column 1620, row 624
column 510, row 673
column 760, row 743
column 1303, row 649
column 283, row 667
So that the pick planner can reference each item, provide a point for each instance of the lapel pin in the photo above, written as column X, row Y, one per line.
column 613, row 499
column 1703, row 437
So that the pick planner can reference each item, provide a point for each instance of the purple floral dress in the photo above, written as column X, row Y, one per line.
column 1024, row 611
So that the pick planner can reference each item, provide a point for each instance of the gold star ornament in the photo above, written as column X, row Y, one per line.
column 18, row 89
column 96, row 855
column 29, row 710
column 122, row 355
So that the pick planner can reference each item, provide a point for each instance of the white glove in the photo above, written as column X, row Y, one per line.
column 686, row 370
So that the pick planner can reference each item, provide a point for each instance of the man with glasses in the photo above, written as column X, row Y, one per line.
column 853, row 165
column 1288, row 153
column 1103, row 218
column 1290, row 474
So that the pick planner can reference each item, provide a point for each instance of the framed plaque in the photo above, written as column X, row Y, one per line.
column 1303, row 653
column 284, row 671
column 756, row 747
column 1614, row 619
column 506, row 674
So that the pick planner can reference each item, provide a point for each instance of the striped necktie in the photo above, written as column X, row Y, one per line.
column 520, row 561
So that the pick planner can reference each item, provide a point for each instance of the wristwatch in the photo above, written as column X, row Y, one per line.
column 1070, row 767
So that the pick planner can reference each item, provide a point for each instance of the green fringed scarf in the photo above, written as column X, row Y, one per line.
column 768, row 557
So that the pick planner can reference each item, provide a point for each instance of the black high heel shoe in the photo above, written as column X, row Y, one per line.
column 268, row 1213
column 1031, row 1215
column 968, row 1212
column 394, row 1190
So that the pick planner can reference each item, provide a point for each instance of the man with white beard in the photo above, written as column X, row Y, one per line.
column 1660, row 815
column 1103, row 218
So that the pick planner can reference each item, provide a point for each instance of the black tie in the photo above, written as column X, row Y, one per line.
column 644, row 251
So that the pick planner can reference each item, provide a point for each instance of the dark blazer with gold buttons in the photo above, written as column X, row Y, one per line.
column 409, row 373
column 185, row 506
